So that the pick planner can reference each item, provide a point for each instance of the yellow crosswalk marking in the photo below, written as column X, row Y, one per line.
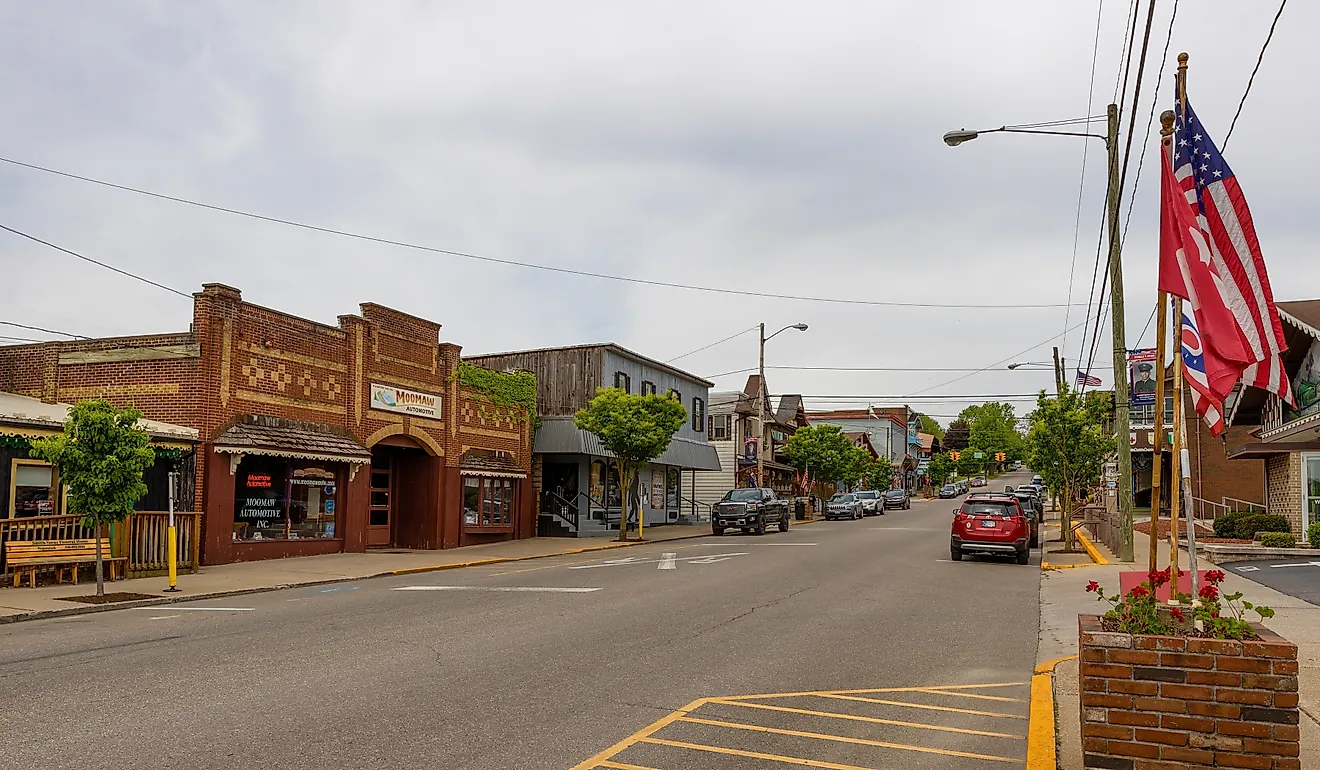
column 925, row 706
column 825, row 737
column 857, row 718
column 623, row 766
column 941, row 691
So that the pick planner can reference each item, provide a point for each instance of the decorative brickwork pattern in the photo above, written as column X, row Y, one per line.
column 1171, row 703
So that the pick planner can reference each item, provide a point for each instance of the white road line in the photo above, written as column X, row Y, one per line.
column 1302, row 564
column 204, row 609
column 667, row 561
column 503, row 589
column 1247, row 569
column 635, row 560
column 164, row 617
column 717, row 545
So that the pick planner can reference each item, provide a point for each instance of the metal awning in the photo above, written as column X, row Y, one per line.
column 274, row 437
column 33, row 418
column 558, row 435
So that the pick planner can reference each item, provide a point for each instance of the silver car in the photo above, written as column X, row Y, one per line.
column 844, row 505
column 870, row 501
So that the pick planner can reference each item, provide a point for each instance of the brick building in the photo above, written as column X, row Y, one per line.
column 315, row 438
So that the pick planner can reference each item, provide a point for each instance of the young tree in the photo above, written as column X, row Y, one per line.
column 957, row 436
column 636, row 429
column 931, row 426
column 101, row 456
column 1067, row 445
column 825, row 453
column 877, row 474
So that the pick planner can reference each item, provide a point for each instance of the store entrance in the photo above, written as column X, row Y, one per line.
column 404, row 500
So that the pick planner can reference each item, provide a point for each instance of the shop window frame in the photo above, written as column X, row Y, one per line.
column 509, row 502
column 292, row 464
column 59, row 497
column 623, row 381
column 1307, row 497
column 698, row 414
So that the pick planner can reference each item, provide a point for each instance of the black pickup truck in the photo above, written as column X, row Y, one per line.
column 750, row 510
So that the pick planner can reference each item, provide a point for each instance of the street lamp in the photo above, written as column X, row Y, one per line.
column 1121, row 405
column 760, row 398
column 1021, row 364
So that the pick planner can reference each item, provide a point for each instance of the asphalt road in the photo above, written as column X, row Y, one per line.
column 855, row 643
column 1299, row 577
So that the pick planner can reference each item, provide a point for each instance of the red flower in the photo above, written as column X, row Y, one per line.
column 1160, row 577
column 1178, row 615
column 1214, row 576
column 1139, row 592
column 1209, row 592
column 1092, row 587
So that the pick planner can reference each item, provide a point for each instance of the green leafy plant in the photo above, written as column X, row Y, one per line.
column 1214, row 615
column 1226, row 526
column 1313, row 534
column 516, row 390
column 823, row 452
column 101, row 456
column 1067, row 445
column 1244, row 525
column 1210, row 612
column 1278, row 539
column 1139, row 612
column 635, row 429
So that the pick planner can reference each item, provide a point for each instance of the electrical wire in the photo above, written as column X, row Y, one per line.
column 111, row 268
column 713, row 344
column 516, row 263
column 858, row 369
column 1065, row 121
column 1150, row 121
column 82, row 337
column 1254, row 70
column 998, row 363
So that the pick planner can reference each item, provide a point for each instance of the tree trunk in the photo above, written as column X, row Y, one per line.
column 625, row 499
column 100, row 573
column 1069, row 542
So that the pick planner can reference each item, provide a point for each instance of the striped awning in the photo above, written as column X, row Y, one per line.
column 558, row 435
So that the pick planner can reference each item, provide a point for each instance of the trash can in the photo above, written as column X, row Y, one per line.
column 800, row 509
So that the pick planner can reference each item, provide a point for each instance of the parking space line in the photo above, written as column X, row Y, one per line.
column 926, row 706
column 623, row 766
column 936, row 691
column 872, row 720
column 843, row 739
column 756, row 755
column 654, row 727
column 940, row 688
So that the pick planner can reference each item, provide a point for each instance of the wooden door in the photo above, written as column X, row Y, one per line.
column 380, row 515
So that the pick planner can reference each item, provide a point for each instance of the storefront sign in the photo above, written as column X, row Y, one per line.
column 657, row 488
column 389, row 398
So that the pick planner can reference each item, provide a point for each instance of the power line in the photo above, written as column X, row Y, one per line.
column 857, row 369
column 1081, row 183
column 1254, row 70
column 20, row 339
column 111, row 268
column 713, row 344
column 83, row 337
column 515, row 263
column 1000, row 362
column 1150, row 120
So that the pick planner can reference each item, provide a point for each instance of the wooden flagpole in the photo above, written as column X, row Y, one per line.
column 1175, row 475
column 1167, row 119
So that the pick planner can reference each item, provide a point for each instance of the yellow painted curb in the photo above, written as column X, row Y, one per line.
column 1041, row 751
column 1090, row 548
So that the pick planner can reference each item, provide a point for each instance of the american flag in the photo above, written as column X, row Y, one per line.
column 1234, row 251
column 1206, row 403
column 1085, row 380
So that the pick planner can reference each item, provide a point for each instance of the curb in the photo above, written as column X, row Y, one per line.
column 166, row 600
column 1042, row 753
column 1091, row 551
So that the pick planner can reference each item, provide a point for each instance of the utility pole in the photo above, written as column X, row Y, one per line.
column 760, row 411
column 1058, row 373
column 1122, row 421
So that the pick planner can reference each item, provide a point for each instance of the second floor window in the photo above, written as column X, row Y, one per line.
column 698, row 414
column 719, row 427
column 648, row 388
column 623, row 382
column 674, row 394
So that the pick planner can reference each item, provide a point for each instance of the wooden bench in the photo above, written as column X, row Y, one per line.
column 65, row 555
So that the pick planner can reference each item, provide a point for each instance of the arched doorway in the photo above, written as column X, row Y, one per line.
column 404, row 500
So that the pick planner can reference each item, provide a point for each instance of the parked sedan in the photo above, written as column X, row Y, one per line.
column 844, row 505
column 897, row 499
column 977, row 481
column 948, row 490
column 870, row 501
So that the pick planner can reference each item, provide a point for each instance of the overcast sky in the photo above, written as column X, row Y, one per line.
column 780, row 147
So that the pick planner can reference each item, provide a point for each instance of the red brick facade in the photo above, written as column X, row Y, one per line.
column 1173, row 703
column 242, row 359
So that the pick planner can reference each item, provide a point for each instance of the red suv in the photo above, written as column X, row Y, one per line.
column 991, row 523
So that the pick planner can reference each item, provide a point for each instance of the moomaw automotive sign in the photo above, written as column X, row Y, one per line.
column 389, row 398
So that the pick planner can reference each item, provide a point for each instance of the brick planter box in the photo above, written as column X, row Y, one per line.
column 1170, row 702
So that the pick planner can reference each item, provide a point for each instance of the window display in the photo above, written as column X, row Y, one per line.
column 278, row 499
column 34, row 490
column 487, row 502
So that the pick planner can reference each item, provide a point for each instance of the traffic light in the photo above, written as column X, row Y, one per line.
column 954, row 455
column 1000, row 456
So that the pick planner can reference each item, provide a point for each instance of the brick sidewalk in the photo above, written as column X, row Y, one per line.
column 252, row 576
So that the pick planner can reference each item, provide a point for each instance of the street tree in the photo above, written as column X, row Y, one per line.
column 939, row 469
column 931, row 425
column 636, row 430
column 957, row 436
column 101, row 456
column 1067, row 445
column 825, row 454
column 992, row 429
column 875, row 473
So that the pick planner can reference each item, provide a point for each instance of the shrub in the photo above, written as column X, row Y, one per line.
column 1263, row 522
column 1313, row 534
column 1278, row 539
column 1226, row 525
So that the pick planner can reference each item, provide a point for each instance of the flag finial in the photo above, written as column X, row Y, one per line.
column 1166, row 121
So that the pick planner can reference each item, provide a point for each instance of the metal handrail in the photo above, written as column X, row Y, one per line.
column 570, row 504
column 696, row 507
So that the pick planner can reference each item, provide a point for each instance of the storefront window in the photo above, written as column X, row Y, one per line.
column 672, row 487
column 1311, row 487
column 35, row 491
column 597, row 488
column 278, row 499
column 487, row 501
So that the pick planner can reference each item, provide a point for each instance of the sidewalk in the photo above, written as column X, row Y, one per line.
column 248, row 577
column 1063, row 597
